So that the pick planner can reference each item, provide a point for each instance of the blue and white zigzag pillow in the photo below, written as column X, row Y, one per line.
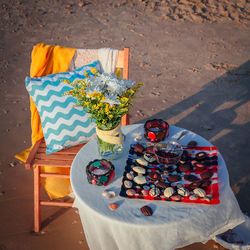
column 63, row 124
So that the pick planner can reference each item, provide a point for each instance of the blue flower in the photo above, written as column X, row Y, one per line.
column 111, row 99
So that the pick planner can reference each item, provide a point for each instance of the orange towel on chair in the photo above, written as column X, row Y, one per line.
column 45, row 60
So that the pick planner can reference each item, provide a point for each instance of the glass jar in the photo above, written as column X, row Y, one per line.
column 110, row 143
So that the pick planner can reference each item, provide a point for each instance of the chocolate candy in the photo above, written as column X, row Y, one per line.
column 200, row 165
column 194, row 185
column 184, row 156
column 146, row 210
column 150, row 150
column 174, row 178
column 192, row 144
column 190, row 177
column 205, row 183
column 185, row 167
column 139, row 148
column 162, row 185
column 206, row 175
column 201, row 156
column 154, row 176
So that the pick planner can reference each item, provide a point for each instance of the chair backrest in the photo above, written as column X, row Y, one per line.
column 123, row 62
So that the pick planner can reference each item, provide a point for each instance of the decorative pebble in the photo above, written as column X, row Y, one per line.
column 193, row 197
column 146, row 210
column 176, row 197
column 200, row 192
column 139, row 170
column 154, row 192
column 109, row 194
column 138, row 138
column 149, row 157
column 130, row 176
column 12, row 164
column 128, row 184
column 144, row 192
column 104, row 193
column 140, row 179
column 183, row 191
column 168, row 192
column 145, row 187
column 113, row 206
column 142, row 161
column 130, row 192
column 208, row 198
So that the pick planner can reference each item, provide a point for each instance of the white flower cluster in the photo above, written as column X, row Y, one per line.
column 109, row 85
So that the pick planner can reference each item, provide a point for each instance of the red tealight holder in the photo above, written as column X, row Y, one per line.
column 156, row 130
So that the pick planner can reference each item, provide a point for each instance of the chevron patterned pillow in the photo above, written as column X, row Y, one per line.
column 63, row 124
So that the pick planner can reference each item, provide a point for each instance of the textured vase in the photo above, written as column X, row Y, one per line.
column 110, row 143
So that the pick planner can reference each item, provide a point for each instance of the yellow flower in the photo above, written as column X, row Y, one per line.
column 124, row 99
column 94, row 70
column 107, row 108
column 86, row 74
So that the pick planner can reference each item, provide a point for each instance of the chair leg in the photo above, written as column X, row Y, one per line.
column 37, row 194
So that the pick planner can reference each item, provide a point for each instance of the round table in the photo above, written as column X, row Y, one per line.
column 172, row 225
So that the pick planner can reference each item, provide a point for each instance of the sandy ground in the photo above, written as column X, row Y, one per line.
column 192, row 56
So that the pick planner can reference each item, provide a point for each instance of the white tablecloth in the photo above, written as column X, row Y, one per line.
column 172, row 225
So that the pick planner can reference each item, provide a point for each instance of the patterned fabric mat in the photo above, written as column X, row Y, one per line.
column 187, row 181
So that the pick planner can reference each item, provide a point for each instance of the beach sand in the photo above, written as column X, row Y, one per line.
column 192, row 56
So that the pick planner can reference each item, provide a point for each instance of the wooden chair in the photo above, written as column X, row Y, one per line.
column 38, row 157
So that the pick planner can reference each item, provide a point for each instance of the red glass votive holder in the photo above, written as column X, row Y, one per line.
column 156, row 130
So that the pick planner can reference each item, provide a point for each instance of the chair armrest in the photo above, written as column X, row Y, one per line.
column 29, row 161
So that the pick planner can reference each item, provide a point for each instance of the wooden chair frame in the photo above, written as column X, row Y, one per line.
column 64, row 158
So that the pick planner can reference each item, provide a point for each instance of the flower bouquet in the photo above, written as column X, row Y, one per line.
column 106, row 98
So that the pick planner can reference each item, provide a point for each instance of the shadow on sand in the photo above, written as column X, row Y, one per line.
column 220, row 112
